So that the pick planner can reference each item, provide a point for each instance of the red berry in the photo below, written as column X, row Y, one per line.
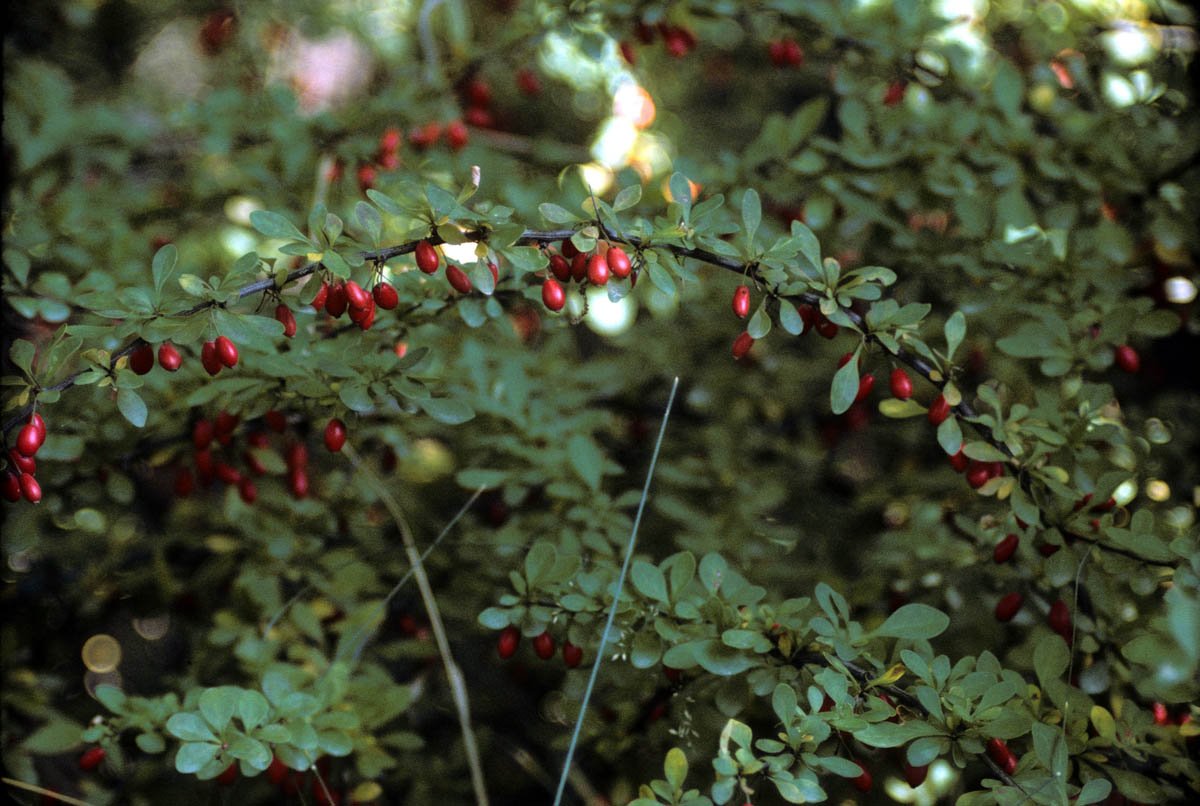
column 901, row 384
column 597, row 269
column 495, row 270
column 528, row 82
column 579, row 266
column 959, row 461
column 543, row 646
column 894, row 93
column 284, row 315
column 297, row 456
column 427, row 257
column 775, row 50
column 628, row 53
column 228, row 775
column 202, row 434
column 618, row 262
column 456, row 135
column 915, row 776
column 458, row 279
column 506, row 644
column 977, row 474
column 1161, row 716
column 366, row 177
column 204, row 465
column 480, row 117
column 424, row 136
column 568, row 249
column 826, row 328
column 225, row 423
column 91, row 758
column 30, row 488
column 322, row 295
column 276, row 421
column 939, row 410
column 12, row 487
column 37, row 422
column 390, row 139
column 1008, row 606
column 478, row 92
column 865, row 384
column 572, row 655
column 298, row 482
column 336, row 302
column 560, row 268
column 1060, row 619
column 793, row 53
column 184, row 482
column 247, row 490
column 1048, row 549
column 998, row 751
column 741, row 302
column 863, row 782
column 1127, row 359
column 29, row 440
column 1006, row 548
column 335, row 435
column 385, row 296
column 742, row 345
column 553, row 296
column 360, row 313
column 227, row 351
column 141, row 360
column 168, row 357
column 228, row 473
column 356, row 295
column 25, row 464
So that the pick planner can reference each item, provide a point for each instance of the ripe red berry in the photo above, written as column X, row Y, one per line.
column 228, row 775
column 998, row 752
column 322, row 295
column 336, row 302
column 141, row 360
column 579, row 266
column 227, row 351
column 390, row 139
column 91, row 758
column 543, row 646
column 1006, row 548
column 25, row 464
column 1060, row 619
column 456, row 135
column 560, row 268
column 568, row 249
column 202, row 434
column 284, row 315
column 915, row 776
column 977, row 474
column 506, row 644
column 247, row 490
column 528, row 82
column 12, row 487
column 385, row 296
column 1161, row 715
column 30, row 488
column 572, row 655
column 628, row 53
column 366, row 177
column 335, row 435
column 276, row 421
column 480, row 117
column 553, row 296
column 741, row 302
column 298, row 482
column 168, row 357
column 894, row 93
column 865, row 384
column 356, row 295
column 902, row 387
column 959, row 461
column 826, row 328
column 458, row 278
column 37, row 422
column 184, row 482
column 1008, row 606
column 742, row 345
column 228, row 474
column 1048, row 549
column 29, row 440
column 478, row 92
column 427, row 257
column 863, row 782
column 1127, row 359
column 618, row 262
column 939, row 410
column 597, row 269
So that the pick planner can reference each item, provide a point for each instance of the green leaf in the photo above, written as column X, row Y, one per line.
column 356, row 397
column 112, row 697
column 681, row 190
column 219, row 704
column 586, row 459
column 789, row 318
column 914, row 621
column 751, row 214
column 628, row 197
column 448, row 410
column 1050, row 659
column 370, row 220
column 810, row 248
column 716, row 658
column 949, row 435
column 56, row 736
column 252, row 751
column 132, row 407
column 21, row 352
column 675, row 768
column 192, row 756
column 555, row 214
column 845, row 385
column 163, row 264
column 252, row 709
column 274, row 225
column 189, row 727
column 649, row 580
column 1094, row 791
column 956, row 330
column 150, row 743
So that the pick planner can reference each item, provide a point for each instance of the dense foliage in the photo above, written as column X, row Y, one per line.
column 339, row 339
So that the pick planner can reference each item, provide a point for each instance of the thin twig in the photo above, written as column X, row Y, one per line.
column 454, row 675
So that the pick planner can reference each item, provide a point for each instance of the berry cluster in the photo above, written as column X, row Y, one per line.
column 543, row 647
column 593, row 267
column 20, row 479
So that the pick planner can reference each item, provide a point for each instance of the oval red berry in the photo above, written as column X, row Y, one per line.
column 458, row 279
column 618, row 262
column 227, row 351
column 901, row 384
column 1008, row 606
column 386, row 296
column 553, row 296
column 506, row 644
column 169, row 357
column 141, row 360
column 1005, row 549
column 741, row 302
column 742, row 345
column 597, row 270
column 335, row 435
column 543, row 646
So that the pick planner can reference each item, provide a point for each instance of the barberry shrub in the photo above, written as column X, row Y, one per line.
column 420, row 282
